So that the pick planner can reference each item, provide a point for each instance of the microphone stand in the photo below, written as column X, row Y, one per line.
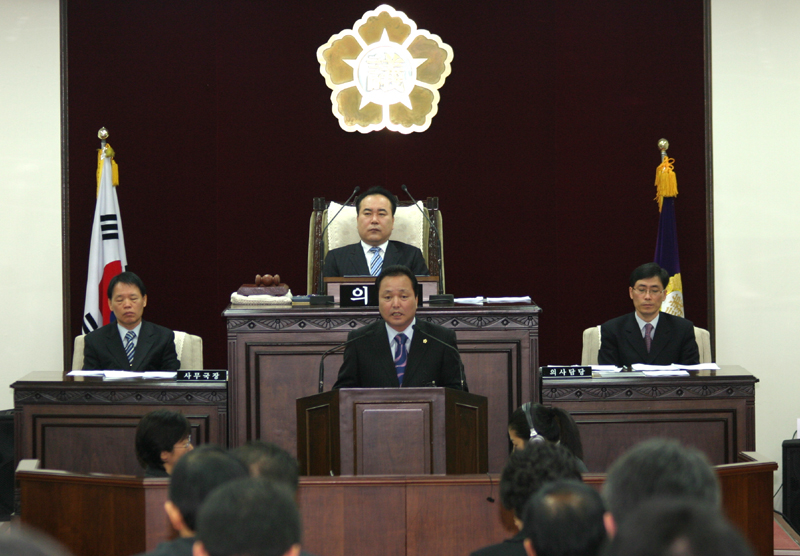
column 320, row 298
column 442, row 297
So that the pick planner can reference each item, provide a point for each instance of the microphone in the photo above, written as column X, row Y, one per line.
column 320, row 298
column 442, row 297
column 326, row 354
column 458, row 354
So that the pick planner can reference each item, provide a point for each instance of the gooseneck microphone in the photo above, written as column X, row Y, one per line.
column 326, row 354
column 321, row 297
column 442, row 297
column 458, row 355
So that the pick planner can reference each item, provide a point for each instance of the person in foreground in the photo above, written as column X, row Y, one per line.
column 565, row 518
column 162, row 438
column 248, row 517
column 130, row 343
column 527, row 471
column 647, row 335
column 534, row 422
column 399, row 350
column 656, row 468
column 194, row 478
column 375, row 210
column 677, row 527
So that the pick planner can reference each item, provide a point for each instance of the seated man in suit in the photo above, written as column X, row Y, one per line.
column 130, row 343
column 647, row 335
column 399, row 350
column 375, row 210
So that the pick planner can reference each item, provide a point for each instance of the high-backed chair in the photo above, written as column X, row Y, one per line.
column 188, row 347
column 410, row 226
column 591, row 345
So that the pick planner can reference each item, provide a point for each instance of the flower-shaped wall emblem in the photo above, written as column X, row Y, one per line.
column 385, row 73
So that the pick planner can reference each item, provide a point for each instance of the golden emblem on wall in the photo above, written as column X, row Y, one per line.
column 385, row 73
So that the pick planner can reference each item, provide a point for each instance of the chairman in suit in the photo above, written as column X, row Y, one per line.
column 375, row 210
column 130, row 343
column 647, row 335
column 398, row 349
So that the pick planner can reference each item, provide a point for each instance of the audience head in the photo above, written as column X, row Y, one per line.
column 647, row 290
column 677, row 527
column 397, row 296
column 127, row 298
column 162, row 438
column 565, row 518
column 248, row 517
column 656, row 468
column 530, row 469
column 29, row 542
column 194, row 477
column 269, row 461
column 533, row 422
column 375, row 215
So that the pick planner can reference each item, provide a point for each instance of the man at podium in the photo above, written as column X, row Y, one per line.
column 375, row 210
column 398, row 350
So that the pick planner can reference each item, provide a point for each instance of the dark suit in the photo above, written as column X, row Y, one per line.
column 155, row 349
column 509, row 547
column 621, row 342
column 369, row 363
column 350, row 260
column 182, row 546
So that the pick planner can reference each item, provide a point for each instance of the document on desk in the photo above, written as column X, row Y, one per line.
column 112, row 375
column 672, row 370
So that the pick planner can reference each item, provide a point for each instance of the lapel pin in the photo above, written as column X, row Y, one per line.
column 425, row 341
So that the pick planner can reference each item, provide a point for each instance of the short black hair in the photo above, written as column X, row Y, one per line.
column 197, row 474
column 377, row 190
column 659, row 467
column 396, row 270
column 159, row 431
column 269, row 461
column 553, row 423
column 565, row 518
column 677, row 527
column 530, row 469
column 650, row 270
column 251, row 517
column 126, row 278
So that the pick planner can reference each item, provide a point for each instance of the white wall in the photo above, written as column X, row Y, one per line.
column 30, row 191
column 756, row 119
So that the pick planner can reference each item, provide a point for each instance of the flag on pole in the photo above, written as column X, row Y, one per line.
column 666, row 255
column 107, row 251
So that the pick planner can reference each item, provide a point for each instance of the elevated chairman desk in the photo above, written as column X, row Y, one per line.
column 274, row 355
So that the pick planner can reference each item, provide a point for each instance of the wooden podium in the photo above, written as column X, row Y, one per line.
column 392, row 431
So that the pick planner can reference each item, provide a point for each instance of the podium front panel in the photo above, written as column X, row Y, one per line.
column 393, row 439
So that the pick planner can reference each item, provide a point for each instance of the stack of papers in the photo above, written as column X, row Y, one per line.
column 480, row 300
column 659, row 370
column 162, row 375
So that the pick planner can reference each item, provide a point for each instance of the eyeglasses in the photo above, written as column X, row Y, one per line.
column 644, row 291
column 185, row 445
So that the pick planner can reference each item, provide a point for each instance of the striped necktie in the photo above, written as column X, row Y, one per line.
column 401, row 356
column 129, row 347
column 377, row 261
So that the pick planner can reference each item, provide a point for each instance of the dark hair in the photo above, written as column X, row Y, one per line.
column 650, row 270
column 565, row 518
column 28, row 541
column 269, row 461
column 158, row 431
column 198, row 473
column 126, row 278
column 249, row 517
column 677, row 527
column 528, row 470
column 396, row 270
column 377, row 190
column 553, row 423
column 658, row 467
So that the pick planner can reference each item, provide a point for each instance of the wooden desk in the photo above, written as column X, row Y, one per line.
column 274, row 354
column 711, row 410
column 90, row 426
